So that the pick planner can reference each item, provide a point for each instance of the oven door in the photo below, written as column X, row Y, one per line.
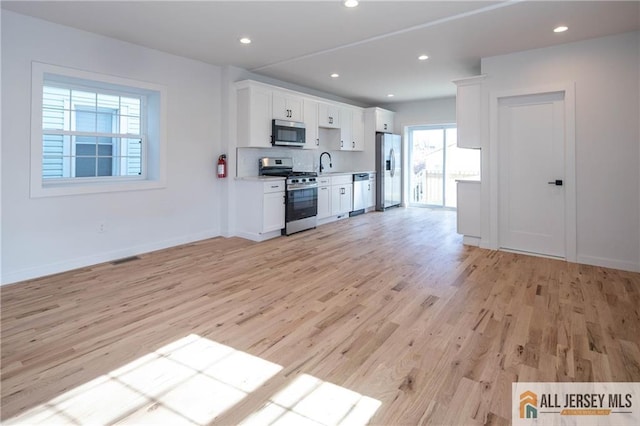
column 302, row 202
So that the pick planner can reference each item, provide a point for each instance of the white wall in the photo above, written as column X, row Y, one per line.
column 426, row 112
column 606, row 75
column 47, row 235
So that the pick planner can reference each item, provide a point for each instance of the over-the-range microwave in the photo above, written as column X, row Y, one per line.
column 287, row 133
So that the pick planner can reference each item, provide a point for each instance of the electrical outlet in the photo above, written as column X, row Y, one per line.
column 102, row 227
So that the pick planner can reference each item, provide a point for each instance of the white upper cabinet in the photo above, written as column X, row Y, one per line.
column 287, row 106
column 357, row 129
column 376, row 120
column 254, row 115
column 345, row 130
column 312, row 138
column 384, row 120
column 259, row 103
column 352, row 129
column 468, row 111
column 329, row 115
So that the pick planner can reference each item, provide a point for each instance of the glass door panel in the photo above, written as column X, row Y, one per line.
column 426, row 159
column 436, row 163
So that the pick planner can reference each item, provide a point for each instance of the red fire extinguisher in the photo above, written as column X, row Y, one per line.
column 222, row 166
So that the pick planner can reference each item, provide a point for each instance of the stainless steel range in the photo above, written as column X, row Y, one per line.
column 301, row 193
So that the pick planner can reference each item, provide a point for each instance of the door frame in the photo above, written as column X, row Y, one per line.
column 409, row 139
column 568, row 88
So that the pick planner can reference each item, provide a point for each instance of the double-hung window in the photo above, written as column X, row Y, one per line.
column 89, row 133
column 94, row 133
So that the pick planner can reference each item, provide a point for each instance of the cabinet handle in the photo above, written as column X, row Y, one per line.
column 317, row 142
column 341, row 144
column 342, row 190
column 353, row 144
column 330, row 120
column 385, row 126
column 275, row 186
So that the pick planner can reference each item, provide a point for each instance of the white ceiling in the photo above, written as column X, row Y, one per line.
column 374, row 47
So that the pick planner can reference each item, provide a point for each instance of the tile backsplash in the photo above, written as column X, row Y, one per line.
column 304, row 160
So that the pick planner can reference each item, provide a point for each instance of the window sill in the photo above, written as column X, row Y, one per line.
column 64, row 189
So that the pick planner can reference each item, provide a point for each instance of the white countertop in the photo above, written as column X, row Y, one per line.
column 325, row 174
column 344, row 173
column 468, row 180
column 260, row 178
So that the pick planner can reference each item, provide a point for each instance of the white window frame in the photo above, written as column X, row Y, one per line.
column 154, row 158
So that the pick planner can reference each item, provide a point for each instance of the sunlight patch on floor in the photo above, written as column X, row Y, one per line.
column 191, row 382
column 311, row 401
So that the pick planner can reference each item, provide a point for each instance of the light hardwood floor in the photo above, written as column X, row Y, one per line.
column 389, row 306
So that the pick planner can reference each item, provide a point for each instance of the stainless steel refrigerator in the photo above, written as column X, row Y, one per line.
column 388, row 171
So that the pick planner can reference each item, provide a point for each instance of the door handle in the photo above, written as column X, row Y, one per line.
column 392, row 155
column 557, row 182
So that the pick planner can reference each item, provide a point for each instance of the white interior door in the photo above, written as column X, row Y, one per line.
column 531, row 173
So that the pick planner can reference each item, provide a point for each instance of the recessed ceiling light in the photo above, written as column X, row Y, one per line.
column 245, row 40
column 335, row 75
column 560, row 29
column 423, row 57
column 390, row 95
column 351, row 3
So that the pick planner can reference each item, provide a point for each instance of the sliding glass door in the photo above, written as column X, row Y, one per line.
column 435, row 162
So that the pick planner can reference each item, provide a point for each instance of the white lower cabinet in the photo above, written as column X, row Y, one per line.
column 468, row 211
column 260, row 208
column 273, row 214
column 324, row 197
column 341, row 199
column 371, row 188
column 341, row 194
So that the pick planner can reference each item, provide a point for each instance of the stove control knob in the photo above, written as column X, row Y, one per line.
column 304, row 180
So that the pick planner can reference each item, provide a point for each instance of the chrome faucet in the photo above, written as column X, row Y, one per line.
column 321, row 166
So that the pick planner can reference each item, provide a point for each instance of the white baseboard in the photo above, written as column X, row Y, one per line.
column 609, row 263
column 487, row 244
column 587, row 260
column 68, row 265
column 471, row 241
column 330, row 219
column 258, row 237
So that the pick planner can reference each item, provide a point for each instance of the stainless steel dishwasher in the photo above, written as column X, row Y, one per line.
column 360, row 193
